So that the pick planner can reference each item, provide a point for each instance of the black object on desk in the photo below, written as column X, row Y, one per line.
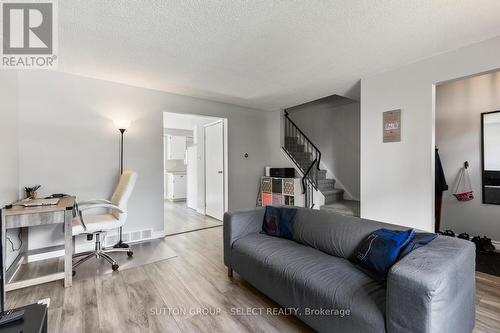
column 57, row 195
column 34, row 320
column 11, row 316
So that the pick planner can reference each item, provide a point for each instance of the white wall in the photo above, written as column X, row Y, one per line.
column 9, row 186
column 397, row 179
column 9, row 178
column 334, row 129
column 275, row 133
column 459, row 105
column 68, row 142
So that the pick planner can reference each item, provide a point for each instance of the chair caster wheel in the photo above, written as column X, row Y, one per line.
column 74, row 273
column 114, row 267
column 130, row 254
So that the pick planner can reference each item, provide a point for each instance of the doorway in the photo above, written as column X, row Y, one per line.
column 195, row 172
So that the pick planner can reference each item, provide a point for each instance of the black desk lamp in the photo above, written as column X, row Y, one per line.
column 122, row 126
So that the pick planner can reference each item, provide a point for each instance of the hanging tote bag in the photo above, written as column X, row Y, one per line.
column 463, row 189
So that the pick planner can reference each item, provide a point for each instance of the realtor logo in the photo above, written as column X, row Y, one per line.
column 29, row 37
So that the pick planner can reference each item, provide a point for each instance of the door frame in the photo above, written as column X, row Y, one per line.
column 225, row 200
column 194, row 149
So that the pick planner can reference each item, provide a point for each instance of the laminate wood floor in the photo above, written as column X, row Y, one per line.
column 179, row 218
column 487, row 303
column 171, row 295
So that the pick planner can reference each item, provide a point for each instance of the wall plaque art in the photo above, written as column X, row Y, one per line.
column 392, row 126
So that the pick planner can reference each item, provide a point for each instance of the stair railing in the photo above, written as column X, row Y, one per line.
column 309, row 170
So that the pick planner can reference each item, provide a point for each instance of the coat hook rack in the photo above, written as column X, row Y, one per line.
column 466, row 164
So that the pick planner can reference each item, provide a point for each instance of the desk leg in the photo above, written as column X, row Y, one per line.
column 4, row 256
column 68, row 249
column 44, row 324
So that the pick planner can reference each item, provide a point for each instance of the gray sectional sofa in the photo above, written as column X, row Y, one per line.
column 432, row 289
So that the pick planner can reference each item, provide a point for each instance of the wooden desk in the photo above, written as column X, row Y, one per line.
column 23, row 217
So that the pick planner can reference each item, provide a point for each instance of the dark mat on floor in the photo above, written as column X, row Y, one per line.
column 488, row 263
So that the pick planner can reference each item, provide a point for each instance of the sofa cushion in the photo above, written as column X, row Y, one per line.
column 333, row 233
column 295, row 275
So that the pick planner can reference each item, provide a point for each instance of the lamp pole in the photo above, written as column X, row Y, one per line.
column 120, row 243
column 122, row 130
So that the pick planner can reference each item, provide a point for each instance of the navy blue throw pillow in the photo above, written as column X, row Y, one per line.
column 380, row 250
column 420, row 239
column 278, row 221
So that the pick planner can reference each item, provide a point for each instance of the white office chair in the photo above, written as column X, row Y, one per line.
column 97, row 225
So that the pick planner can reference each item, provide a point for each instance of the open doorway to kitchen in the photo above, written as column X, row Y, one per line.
column 195, row 171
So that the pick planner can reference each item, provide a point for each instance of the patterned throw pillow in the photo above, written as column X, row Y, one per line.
column 278, row 221
column 380, row 250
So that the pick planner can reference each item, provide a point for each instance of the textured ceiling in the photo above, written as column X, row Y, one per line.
column 265, row 54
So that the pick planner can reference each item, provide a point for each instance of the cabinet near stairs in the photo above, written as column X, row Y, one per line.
column 277, row 191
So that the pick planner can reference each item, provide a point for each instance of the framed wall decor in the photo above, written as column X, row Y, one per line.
column 392, row 126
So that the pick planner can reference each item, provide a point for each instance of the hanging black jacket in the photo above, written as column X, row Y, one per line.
column 441, row 185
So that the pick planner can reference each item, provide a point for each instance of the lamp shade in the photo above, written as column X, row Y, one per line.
column 122, row 124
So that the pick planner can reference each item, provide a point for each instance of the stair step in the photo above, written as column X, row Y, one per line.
column 305, row 167
column 305, row 164
column 344, row 207
column 304, row 161
column 294, row 147
column 332, row 196
column 326, row 184
column 327, row 181
column 321, row 175
column 301, row 155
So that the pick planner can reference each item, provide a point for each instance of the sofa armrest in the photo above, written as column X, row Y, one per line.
column 238, row 224
column 433, row 289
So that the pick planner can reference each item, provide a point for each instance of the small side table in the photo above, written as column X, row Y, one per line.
column 33, row 321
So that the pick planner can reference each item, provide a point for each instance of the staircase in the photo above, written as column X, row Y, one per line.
column 304, row 160
column 307, row 157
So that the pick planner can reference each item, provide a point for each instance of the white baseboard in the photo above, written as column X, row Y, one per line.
column 158, row 234
column 87, row 246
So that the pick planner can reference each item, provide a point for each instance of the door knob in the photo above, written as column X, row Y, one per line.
column 220, row 171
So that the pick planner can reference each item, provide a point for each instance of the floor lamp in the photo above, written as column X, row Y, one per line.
column 122, row 126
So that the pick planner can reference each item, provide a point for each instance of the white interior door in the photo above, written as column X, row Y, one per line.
column 214, row 170
column 192, row 178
